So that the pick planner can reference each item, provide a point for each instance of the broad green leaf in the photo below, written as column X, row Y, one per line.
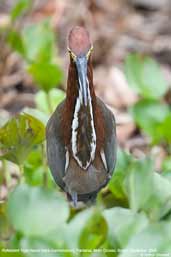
column 122, row 166
column 56, row 96
column 40, row 51
column 46, row 75
column 75, row 227
column 14, row 243
column 145, row 110
column 39, row 42
column 40, row 211
column 162, row 191
column 159, row 202
column 43, row 117
column 164, row 130
column 153, row 241
column 34, row 171
column 39, row 247
column 166, row 168
column 145, row 77
column 18, row 136
column 149, row 115
column 16, row 42
column 20, row 7
column 123, row 224
column 139, row 182
column 94, row 232
column 5, row 252
column 147, row 190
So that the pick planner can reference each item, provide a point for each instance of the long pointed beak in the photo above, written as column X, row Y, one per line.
column 81, row 64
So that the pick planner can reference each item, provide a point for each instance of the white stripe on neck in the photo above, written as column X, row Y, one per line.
column 75, row 125
column 93, row 142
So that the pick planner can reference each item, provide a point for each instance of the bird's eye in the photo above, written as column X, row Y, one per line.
column 89, row 52
column 74, row 57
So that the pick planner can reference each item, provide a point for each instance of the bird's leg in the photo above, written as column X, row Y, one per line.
column 74, row 198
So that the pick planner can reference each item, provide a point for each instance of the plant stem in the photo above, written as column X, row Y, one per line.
column 21, row 168
column 4, row 173
column 49, row 102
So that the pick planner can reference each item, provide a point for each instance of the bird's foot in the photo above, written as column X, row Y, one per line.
column 74, row 197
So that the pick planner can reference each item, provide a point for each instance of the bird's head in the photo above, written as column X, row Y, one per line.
column 80, row 48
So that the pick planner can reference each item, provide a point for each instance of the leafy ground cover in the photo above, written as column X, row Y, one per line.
column 132, row 215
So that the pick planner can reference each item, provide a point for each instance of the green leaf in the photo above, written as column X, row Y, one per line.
column 46, row 75
column 152, row 241
column 145, row 77
column 166, row 167
column 20, row 7
column 39, row 42
column 122, row 166
column 159, row 202
column 34, row 171
column 18, row 136
column 138, row 183
column 40, row 211
column 122, row 225
column 6, row 253
column 43, row 117
column 147, row 190
column 94, row 232
column 5, row 228
column 164, row 130
column 15, row 41
column 75, row 227
column 150, row 115
column 39, row 247
column 56, row 96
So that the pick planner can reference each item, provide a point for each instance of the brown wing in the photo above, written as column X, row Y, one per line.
column 110, row 136
column 56, row 153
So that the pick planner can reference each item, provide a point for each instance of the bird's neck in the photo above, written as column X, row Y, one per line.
column 82, row 126
column 72, row 84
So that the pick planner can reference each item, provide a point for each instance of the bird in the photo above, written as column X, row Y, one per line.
column 81, row 132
